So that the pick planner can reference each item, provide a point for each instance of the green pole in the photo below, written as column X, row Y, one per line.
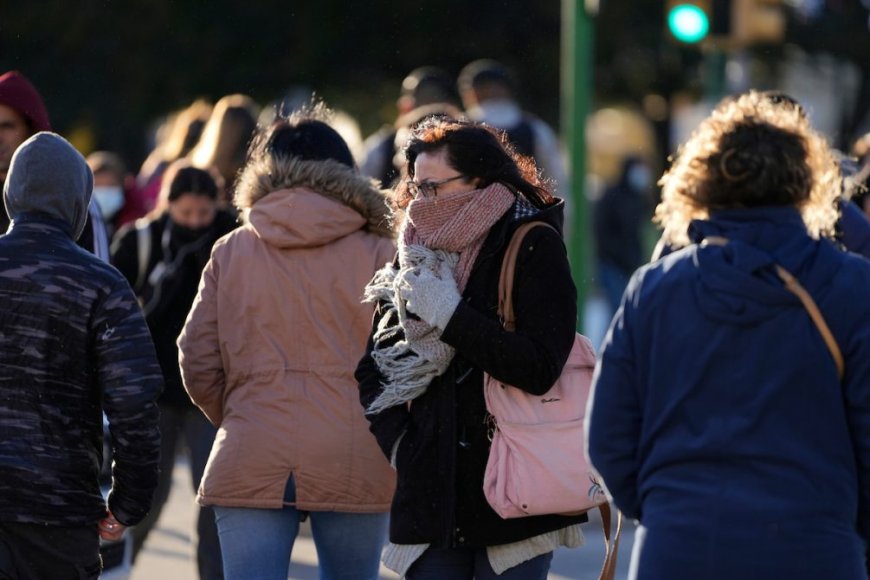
column 715, row 62
column 575, row 103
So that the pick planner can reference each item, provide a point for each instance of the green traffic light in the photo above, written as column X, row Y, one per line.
column 688, row 23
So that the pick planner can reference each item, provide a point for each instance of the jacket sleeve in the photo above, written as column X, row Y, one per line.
column 388, row 425
column 131, row 381
column 614, row 414
column 856, row 389
column 855, row 229
column 545, row 307
column 199, row 355
column 125, row 255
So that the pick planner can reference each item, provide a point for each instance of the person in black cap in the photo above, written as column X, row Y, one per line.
column 425, row 91
column 488, row 91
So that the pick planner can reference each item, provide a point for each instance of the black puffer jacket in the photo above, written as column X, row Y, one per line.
column 442, row 457
column 166, row 299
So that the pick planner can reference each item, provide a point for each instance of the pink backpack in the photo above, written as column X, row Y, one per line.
column 537, row 463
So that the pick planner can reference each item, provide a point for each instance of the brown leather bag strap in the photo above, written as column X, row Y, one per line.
column 506, row 313
column 508, row 270
column 796, row 288
column 611, row 545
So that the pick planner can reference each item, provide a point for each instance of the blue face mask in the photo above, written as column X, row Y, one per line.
column 110, row 200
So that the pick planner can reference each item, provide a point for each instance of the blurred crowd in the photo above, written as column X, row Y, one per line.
column 209, row 258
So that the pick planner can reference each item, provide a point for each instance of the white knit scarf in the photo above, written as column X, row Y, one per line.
column 446, row 228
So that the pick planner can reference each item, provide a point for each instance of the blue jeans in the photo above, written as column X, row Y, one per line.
column 468, row 563
column 257, row 543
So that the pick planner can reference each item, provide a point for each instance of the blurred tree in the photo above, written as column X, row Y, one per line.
column 119, row 65
column 116, row 66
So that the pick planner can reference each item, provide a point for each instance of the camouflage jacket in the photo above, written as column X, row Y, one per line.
column 73, row 344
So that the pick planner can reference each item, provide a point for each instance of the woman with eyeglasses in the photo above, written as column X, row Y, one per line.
column 436, row 331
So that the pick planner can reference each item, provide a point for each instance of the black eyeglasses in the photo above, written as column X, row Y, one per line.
column 428, row 188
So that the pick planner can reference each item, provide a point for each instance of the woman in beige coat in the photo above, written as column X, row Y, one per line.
column 268, row 354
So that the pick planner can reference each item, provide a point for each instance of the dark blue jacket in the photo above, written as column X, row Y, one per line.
column 73, row 344
column 718, row 419
column 854, row 229
column 853, row 232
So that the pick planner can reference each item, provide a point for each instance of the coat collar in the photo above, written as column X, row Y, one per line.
column 327, row 178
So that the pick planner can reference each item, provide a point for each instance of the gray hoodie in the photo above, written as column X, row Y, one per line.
column 47, row 175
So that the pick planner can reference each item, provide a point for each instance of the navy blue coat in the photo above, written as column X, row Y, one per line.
column 854, row 229
column 718, row 419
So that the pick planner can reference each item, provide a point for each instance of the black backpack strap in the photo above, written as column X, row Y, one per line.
column 143, row 247
column 523, row 137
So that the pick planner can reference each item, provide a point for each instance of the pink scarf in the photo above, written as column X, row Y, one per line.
column 457, row 223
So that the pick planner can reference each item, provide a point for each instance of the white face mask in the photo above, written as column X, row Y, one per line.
column 639, row 177
column 110, row 199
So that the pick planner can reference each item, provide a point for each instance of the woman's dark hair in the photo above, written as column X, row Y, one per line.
column 758, row 164
column 182, row 178
column 477, row 151
column 304, row 135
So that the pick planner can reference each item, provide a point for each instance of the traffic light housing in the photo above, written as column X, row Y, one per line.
column 688, row 21
column 735, row 23
column 757, row 22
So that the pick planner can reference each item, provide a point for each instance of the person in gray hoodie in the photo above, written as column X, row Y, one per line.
column 73, row 345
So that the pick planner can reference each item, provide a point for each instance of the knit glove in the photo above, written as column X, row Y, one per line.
column 431, row 296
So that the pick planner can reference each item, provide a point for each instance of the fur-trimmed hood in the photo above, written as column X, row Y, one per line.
column 262, row 180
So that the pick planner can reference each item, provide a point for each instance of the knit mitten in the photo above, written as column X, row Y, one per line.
column 431, row 296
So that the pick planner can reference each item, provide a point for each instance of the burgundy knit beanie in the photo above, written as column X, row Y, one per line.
column 17, row 93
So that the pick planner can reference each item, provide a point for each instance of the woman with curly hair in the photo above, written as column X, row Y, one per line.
column 722, row 417
column 436, row 331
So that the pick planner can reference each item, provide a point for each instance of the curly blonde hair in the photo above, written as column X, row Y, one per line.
column 757, row 149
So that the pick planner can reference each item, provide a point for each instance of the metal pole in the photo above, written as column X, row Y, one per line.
column 575, row 103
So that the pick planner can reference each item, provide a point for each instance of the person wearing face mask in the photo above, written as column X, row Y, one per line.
column 114, row 191
column 618, row 218
column 163, row 256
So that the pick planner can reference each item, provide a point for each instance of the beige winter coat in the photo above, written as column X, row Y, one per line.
column 271, row 343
